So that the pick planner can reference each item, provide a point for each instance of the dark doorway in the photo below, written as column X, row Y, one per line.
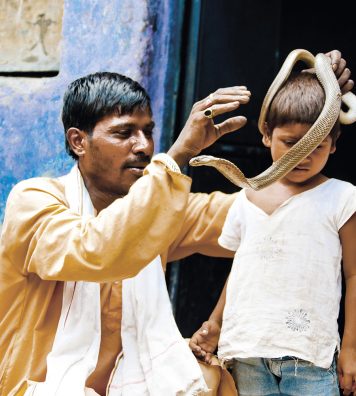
column 240, row 42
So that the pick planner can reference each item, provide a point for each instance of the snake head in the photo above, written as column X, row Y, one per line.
column 201, row 160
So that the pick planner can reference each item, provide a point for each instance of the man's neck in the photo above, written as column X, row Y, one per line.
column 99, row 198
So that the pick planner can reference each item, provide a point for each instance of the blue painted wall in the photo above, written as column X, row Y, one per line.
column 137, row 38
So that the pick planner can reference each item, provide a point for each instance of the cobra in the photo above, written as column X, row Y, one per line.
column 315, row 135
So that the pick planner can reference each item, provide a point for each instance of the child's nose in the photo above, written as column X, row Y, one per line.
column 306, row 161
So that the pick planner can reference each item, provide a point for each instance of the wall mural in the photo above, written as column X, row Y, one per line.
column 30, row 34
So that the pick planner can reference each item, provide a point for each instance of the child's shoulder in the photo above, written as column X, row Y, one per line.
column 337, row 187
column 338, row 196
column 342, row 200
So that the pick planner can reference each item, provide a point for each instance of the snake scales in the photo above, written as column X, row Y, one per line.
column 316, row 134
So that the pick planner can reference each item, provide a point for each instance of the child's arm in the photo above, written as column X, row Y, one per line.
column 347, row 359
column 205, row 340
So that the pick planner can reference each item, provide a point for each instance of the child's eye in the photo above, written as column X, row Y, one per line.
column 289, row 142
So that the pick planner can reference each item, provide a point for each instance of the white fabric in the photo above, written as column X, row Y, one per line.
column 76, row 345
column 157, row 360
column 284, row 288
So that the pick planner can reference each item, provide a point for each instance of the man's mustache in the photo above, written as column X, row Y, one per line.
column 139, row 161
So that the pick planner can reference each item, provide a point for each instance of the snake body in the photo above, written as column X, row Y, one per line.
column 308, row 143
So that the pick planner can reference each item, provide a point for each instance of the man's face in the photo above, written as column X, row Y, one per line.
column 116, row 153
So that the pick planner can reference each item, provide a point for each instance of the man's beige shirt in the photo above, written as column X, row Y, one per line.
column 44, row 243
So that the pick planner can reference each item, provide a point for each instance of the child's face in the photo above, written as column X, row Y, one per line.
column 283, row 138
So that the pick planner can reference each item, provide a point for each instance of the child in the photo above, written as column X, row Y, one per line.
column 279, row 322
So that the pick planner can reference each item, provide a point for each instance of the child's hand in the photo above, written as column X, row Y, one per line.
column 346, row 368
column 205, row 340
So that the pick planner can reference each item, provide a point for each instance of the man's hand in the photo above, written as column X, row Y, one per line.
column 342, row 73
column 346, row 368
column 205, row 341
column 200, row 131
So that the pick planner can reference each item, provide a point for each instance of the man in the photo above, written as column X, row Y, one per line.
column 137, row 207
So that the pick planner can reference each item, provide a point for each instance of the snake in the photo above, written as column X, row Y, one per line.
column 318, row 131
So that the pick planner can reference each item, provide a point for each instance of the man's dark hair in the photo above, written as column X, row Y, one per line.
column 90, row 98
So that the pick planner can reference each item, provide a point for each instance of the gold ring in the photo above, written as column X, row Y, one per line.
column 209, row 113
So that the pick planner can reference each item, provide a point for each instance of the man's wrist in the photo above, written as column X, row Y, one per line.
column 182, row 157
column 167, row 161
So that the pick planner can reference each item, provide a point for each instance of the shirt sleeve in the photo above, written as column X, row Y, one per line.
column 42, row 235
column 203, row 221
column 346, row 205
column 231, row 232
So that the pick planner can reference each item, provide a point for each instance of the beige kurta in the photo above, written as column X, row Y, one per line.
column 45, row 243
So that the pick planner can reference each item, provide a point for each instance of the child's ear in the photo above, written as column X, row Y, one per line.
column 333, row 146
column 266, row 138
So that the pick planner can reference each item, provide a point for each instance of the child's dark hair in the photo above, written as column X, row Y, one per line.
column 300, row 100
column 89, row 99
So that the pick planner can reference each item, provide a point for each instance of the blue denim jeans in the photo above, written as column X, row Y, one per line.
column 287, row 376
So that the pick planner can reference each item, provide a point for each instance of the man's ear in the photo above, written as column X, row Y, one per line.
column 76, row 139
column 266, row 138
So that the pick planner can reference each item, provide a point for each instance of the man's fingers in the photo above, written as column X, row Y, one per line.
column 335, row 56
column 219, row 109
column 347, row 87
column 339, row 67
column 223, row 95
column 242, row 97
column 230, row 90
column 344, row 77
column 230, row 125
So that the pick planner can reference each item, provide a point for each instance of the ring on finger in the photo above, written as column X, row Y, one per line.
column 209, row 113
